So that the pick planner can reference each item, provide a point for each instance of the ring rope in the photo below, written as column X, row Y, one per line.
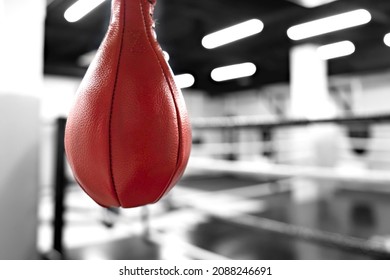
column 352, row 244
column 258, row 121
column 336, row 240
column 285, row 170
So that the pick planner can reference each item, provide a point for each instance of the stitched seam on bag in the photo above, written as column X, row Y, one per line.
column 113, row 98
column 179, row 126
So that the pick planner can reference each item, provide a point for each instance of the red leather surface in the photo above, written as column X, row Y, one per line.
column 128, row 136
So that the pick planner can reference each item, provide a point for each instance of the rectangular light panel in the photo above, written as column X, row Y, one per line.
column 329, row 24
column 233, row 33
column 80, row 9
column 386, row 39
column 335, row 50
column 311, row 3
column 184, row 80
column 233, row 71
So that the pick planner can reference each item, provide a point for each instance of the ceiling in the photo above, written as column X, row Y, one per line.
column 181, row 24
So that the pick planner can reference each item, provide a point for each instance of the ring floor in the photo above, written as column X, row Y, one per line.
column 92, row 232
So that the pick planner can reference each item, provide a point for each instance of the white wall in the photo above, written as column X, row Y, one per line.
column 56, row 100
column 19, row 126
column 21, row 64
column 254, row 102
column 374, row 95
column 21, row 48
column 370, row 94
column 57, row 97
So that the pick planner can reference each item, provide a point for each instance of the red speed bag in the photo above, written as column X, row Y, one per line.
column 128, row 136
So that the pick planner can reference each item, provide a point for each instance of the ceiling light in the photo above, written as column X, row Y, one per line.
column 233, row 33
column 335, row 50
column 386, row 39
column 329, row 24
column 80, row 9
column 184, row 80
column 312, row 3
column 233, row 71
column 166, row 55
column 85, row 60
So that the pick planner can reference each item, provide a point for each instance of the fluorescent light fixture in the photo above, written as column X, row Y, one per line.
column 311, row 3
column 329, row 24
column 86, row 59
column 233, row 71
column 166, row 55
column 184, row 80
column 233, row 33
column 335, row 50
column 386, row 39
column 80, row 9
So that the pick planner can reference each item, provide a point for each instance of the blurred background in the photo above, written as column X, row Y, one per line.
column 289, row 102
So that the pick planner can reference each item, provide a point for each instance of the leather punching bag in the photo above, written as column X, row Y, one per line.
column 128, row 136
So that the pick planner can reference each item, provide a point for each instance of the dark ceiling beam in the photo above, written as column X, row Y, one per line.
column 376, row 10
column 181, row 24
column 53, row 5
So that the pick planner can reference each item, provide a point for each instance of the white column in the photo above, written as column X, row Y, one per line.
column 317, row 143
column 309, row 84
column 21, row 64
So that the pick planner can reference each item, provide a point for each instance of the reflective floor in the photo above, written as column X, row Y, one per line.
column 359, row 214
column 93, row 233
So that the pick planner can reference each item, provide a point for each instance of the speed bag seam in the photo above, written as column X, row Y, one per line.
column 174, row 102
column 112, row 101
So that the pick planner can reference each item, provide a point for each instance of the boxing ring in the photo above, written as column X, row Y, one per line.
column 378, row 179
column 199, row 202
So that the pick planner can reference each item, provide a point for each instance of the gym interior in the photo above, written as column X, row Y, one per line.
column 290, row 124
